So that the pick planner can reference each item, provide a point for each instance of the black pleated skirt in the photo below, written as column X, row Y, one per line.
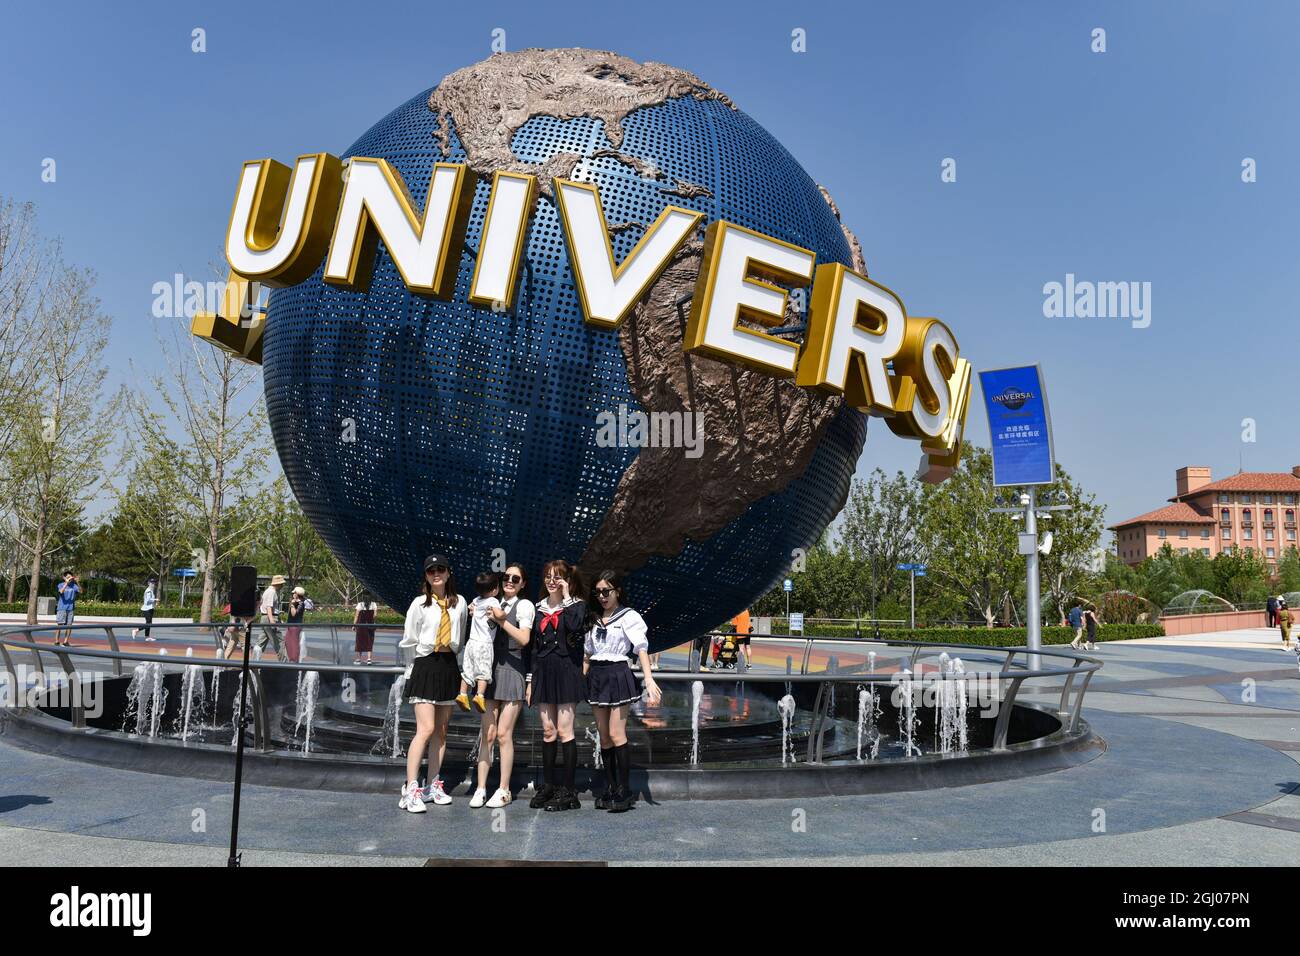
column 557, row 680
column 611, row 683
column 435, row 678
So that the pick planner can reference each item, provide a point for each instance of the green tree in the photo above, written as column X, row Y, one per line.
column 880, row 530
column 1068, row 570
column 970, row 551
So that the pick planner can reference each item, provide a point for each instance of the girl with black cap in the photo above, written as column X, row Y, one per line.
column 614, row 634
column 555, row 681
column 435, row 626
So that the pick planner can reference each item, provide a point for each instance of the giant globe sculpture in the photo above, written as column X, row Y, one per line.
column 407, row 424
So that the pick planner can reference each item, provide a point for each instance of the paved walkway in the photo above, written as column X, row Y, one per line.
column 1202, row 736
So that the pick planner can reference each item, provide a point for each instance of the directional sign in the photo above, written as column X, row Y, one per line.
column 796, row 622
column 787, row 585
column 921, row 573
column 918, row 568
column 185, row 573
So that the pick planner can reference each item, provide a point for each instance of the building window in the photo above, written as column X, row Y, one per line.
column 1227, row 534
column 1182, row 550
column 1205, row 551
column 1265, row 499
column 1225, row 515
column 1247, row 533
column 1182, row 532
column 1288, row 499
column 1244, row 499
column 1290, row 534
column 1224, row 498
column 1269, row 552
column 1160, row 533
column 1268, row 534
column 1205, row 532
column 1245, row 514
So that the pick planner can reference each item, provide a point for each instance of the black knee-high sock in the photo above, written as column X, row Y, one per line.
column 570, row 762
column 622, row 761
column 611, row 772
column 548, row 761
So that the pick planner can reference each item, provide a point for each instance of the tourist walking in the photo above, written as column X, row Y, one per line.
column 1284, row 621
column 66, row 609
column 433, row 635
column 557, row 682
column 1090, row 622
column 744, row 628
column 271, row 612
column 147, row 606
column 1270, row 611
column 505, row 695
column 615, row 634
column 1076, row 622
column 365, row 636
column 293, row 633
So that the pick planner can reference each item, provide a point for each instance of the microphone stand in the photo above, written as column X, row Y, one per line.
column 235, row 857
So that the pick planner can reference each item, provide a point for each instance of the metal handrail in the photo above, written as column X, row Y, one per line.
column 1079, row 664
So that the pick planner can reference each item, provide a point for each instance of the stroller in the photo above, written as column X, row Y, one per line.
column 726, row 653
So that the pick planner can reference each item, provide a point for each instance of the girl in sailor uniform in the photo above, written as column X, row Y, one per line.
column 555, row 681
column 433, row 636
column 614, row 635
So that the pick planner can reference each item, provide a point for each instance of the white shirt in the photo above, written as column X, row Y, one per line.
column 422, row 622
column 271, row 602
column 482, row 628
column 624, row 636
column 149, row 602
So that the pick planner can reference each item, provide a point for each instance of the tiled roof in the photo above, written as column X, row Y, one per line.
column 1177, row 513
column 1250, row 481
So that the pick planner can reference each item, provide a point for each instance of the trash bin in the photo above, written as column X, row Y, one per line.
column 45, row 607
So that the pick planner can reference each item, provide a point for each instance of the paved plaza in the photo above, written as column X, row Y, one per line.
column 1201, row 741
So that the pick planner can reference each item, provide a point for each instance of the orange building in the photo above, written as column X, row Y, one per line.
column 1251, row 509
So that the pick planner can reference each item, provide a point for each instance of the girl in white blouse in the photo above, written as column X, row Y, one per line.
column 433, row 636
column 615, row 634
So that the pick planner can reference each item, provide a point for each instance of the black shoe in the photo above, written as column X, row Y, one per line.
column 605, row 799
column 574, row 802
column 561, row 800
column 622, row 801
column 542, row 797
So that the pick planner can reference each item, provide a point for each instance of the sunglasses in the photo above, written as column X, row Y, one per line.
column 512, row 579
column 604, row 592
column 436, row 569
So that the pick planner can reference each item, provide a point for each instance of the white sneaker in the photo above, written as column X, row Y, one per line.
column 479, row 798
column 434, row 793
column 500, row 798
column 1091, row 646
column 411, row 801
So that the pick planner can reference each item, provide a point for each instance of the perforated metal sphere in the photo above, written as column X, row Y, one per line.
column 476, row 431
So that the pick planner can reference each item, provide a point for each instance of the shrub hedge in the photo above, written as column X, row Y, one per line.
column 991, row 637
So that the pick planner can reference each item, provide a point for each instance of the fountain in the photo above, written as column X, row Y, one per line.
column 786, row 706
column 868, row 713
column 146, row 696
column 392, row 732
column 697, row 692
column 907, row 719
column 592, row 733
column 191, row 687
column 305, row 706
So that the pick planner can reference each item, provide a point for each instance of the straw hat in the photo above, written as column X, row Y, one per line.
column 277, row 580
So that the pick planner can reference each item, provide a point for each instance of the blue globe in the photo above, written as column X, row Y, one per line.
column 407, row 425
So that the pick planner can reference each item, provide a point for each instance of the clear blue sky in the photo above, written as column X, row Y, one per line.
column 1117, row 166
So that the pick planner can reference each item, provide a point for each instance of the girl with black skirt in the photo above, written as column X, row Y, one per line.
column 435, row 628
column 614, row 634
column 555, row 681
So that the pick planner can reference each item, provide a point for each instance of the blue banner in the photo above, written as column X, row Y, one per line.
column 1020, row 428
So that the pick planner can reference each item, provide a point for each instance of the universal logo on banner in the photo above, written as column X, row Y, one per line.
column 75, row 909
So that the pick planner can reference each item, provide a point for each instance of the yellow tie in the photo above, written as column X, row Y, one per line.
column 443, row 641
